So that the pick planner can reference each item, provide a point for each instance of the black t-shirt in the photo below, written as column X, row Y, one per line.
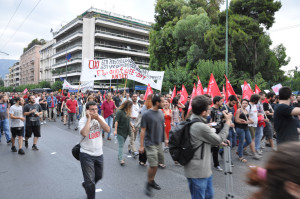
column 268, row 107
column 217, row 116
column 12, row 101
column 44, row 106
column 297, row 104
column 285, row 124
column 117, row 101
column 229, row 109
column 186, row 108
column 141, row 102
column 32, row 119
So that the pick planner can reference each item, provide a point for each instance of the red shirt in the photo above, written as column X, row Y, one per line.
column 25, row 96
column 108, row 108
column 58, row 99
column 72, row 104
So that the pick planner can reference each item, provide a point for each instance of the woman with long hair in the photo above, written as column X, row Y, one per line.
column 122, row 127
column 242, row 120
column 280, row 178
column 64, row 110
column 176, row 111
column 148, row 104
column 168, row 118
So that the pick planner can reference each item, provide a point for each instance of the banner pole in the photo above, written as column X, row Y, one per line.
column 125, row 88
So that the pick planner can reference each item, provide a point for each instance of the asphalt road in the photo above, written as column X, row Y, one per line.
column 53, row 173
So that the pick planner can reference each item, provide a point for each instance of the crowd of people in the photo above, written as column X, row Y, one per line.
column 247, row 126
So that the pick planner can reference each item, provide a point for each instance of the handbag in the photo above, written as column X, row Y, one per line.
column 76, row 150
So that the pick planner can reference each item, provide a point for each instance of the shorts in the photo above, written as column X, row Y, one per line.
column 16, row 131
column 268, row 131
column 44, row 114
column 252, row 131
column 36, row 130
column 155, row 155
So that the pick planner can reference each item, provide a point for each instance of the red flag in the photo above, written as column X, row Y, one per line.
column 184, row 95
column 230, row 91
column 257, row 90
column 173, row 94
column 194, row 94
column 225, row 93
column 212, row 88
column 25, row 91
column 62, row 92
column 247, row 91
column 199, row 88
column 148, row 91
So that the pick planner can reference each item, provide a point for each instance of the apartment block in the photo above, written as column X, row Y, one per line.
column 14, row 75
column 99, row 34
column 30, row 65
column 46, row 61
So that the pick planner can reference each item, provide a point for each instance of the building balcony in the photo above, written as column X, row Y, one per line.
column 121, row 38
column 74, row 60
column 47, row 67
column 121, row 50
column 69, row 38
column 122, row 26
column 68, row 26
column 69, row 74
column 70, row 49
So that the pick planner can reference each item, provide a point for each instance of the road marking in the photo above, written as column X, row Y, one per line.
column 98, row 190
column 53, row 153
column 129, row 156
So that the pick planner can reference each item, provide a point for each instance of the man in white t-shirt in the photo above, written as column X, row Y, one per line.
column 91, row 158
column 133, row 119
column 253, row 115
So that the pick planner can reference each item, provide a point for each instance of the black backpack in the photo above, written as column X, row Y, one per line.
column 180, row 146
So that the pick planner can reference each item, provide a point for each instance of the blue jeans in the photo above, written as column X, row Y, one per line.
column 121, row 141
column 232, row 137
column 109, row 122
column 243, row 134
column 92, row 170
column 258, row 135
column 201, row 188
column 80, row 111
column 4, row 124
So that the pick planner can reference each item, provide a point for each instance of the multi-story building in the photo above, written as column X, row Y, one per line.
column 46, row 61
column 14, row 75
column 6, row 80
column 98, row 34
column 30, row 65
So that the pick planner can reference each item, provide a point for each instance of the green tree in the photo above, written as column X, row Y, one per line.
column 44, row 84
column 57, row 85
column 34, row 42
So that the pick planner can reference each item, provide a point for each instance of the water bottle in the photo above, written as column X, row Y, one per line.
column 116, row 141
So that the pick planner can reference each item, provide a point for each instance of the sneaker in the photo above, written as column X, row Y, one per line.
column 256, row 156
column 9, row 141
column 13, row 149
column 148, row 190
column 76, row 129
column 34, row 147
column 247, row 153
column 259, row 152
column 135, row 154
column 218, row 168
column 26, row 144
column 155, row 186
column 42, row 123
column 45, row 122
column 232, row 165
column 21, row 152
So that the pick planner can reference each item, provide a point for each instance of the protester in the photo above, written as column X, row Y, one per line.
column 72, row 108
column 44, row 105
column 4, row 123
column 148, row 104
column 80, row 106
column 284, row 123
column 151, row 138
column 108, row 109
column 280, row 178
column 176, row 113
column 253, row 115
column 185, row 109
column 32, row 112
column 241, row 122
column 59, row 102
column 122, row 127
column 135, row 109
column 269, row 112
column 64, row 110
column 117, row 99
column 168, row 118
column 17, row 125
column 198, row 171
column 141, row 101
column 91, row 148
column 52, row 104
column 217, row 118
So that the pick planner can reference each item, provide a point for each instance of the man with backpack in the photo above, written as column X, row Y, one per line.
column 198, row 170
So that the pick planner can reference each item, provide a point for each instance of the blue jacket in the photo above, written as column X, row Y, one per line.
column 49, row 101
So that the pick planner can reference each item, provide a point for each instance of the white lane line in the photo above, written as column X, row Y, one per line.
column 53, row 153
column 98, row 190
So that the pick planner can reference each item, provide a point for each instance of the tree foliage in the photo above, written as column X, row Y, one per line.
column 34, row 42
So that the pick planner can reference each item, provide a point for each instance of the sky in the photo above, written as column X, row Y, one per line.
column 53, row 13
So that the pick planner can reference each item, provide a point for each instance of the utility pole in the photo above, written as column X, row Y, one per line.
column 226, row 45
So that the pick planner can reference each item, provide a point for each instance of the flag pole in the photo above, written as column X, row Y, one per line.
column 125, row 88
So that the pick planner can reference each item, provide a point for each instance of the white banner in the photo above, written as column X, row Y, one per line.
column 123, row 68
column 67, row 85
column 85, row 86
column 276, row 88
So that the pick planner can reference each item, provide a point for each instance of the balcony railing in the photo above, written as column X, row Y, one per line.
column 70, row 47
column 121, row 48
column 67, row 37
column 67, row 25
column 122, row 36
column 64, row 62
column 123, row 23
